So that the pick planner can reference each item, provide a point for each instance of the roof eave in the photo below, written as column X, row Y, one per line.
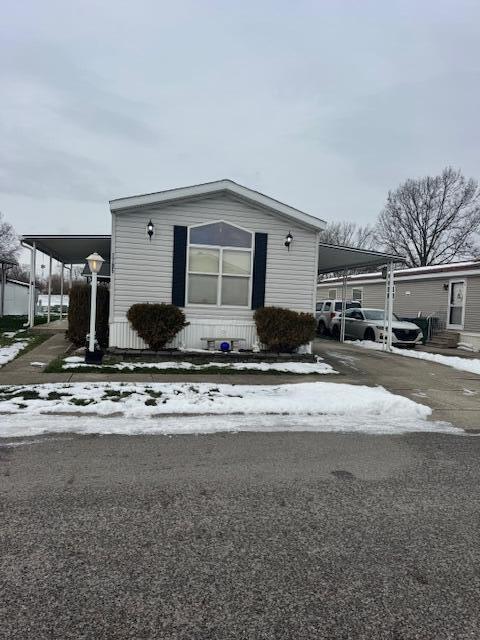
column 210, row 188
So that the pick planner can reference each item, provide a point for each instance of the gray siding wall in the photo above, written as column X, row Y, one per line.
column 472, row 309
column 426, row 297
column 143, row 269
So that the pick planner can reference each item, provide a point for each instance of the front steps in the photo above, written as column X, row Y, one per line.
column 445, row 340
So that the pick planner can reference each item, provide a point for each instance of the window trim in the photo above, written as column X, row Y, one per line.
column 329, row 297
column 219, row 275
column 356, row 299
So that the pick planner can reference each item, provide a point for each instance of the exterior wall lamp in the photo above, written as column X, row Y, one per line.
column 150, row 229
column 288, row 240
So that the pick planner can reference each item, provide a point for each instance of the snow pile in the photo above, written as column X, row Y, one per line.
column 142, row 400
column 471, row 365
column 11, row 351
column 74, row 362
column 205, row 408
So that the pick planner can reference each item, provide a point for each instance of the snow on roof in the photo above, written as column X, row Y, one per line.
column 412, row 271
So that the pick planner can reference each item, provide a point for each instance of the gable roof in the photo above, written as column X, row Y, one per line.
column 219, row 186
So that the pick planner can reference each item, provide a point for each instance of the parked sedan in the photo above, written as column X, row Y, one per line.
column 367, row 324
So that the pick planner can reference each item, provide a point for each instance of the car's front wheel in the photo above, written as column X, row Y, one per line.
column 322, row 329
column 370, row 335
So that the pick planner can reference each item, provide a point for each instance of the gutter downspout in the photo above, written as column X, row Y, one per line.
column 31, row 288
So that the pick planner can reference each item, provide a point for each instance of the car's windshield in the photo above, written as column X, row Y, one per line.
column 349, row 305
column 376, row 314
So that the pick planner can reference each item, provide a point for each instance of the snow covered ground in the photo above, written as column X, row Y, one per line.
column 206, row 408
column 319, row 367
column 471, row 365
column 11, row 351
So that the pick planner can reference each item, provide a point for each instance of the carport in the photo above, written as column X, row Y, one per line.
column 337, row 258
column 71, row 250
column 68, row 251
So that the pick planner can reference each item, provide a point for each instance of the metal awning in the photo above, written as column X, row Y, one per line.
column 333, row 257
column 71, row 249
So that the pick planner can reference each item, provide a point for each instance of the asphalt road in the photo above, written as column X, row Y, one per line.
column 251, row 536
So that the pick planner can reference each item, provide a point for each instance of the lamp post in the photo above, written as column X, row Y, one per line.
column 95, row 262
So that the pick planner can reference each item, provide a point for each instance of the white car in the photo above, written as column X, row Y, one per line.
column 367, row 324
column 327, row 310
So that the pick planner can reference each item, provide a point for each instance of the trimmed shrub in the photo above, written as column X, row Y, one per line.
column 157, row 324
column 284, row 330
column 79, row 314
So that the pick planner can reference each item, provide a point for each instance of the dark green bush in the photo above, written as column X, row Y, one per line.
column 157, row 324
column 79, row 314
column 283, row 330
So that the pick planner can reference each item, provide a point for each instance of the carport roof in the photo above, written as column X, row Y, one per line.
column 333, row 257
column 74, row 249
column 71, row 249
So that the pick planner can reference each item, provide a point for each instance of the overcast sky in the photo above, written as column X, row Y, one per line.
column 324, row 105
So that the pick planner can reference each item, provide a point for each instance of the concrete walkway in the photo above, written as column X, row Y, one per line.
column 21, row 371
column 56, row 326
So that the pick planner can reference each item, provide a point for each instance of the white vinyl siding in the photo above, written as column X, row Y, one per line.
column 143, row 268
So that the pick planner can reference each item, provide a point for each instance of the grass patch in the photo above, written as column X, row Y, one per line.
column 32, row 339
column 56, row 367
column 151, row 402
column 152, row 393
column 111, row 394
column 55, row 395
column 24, row 395
column 14, row 323
column 81, row 402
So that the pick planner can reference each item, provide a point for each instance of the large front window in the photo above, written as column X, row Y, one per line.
column 219, row 265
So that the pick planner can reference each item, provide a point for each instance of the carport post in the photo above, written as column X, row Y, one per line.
column 70, row 279
column 385, row 313
column 344, row 306
column 31, row 300
column 2, row 294
column 390, row 306
column 49, row 287
column 61, row 289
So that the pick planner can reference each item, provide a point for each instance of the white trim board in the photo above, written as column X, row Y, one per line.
column 445, row 275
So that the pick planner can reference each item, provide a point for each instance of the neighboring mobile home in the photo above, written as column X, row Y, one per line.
column 217, row 250
column 16, row 298
column 450, row 292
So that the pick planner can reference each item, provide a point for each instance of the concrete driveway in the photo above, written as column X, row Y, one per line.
column 453, row 395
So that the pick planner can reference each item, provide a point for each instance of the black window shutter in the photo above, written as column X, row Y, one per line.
column 179, row 265
column 259, row 270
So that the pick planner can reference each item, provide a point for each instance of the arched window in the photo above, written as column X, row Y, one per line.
column 219, row 265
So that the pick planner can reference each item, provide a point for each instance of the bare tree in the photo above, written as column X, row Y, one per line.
column 432, row 220
column 56, row 286
column 8, row 240
column 348, row 234
column 21, row 273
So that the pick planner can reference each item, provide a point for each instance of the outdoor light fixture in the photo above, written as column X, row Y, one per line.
column 95, row 262
column 150, row 229
column 288, row 240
